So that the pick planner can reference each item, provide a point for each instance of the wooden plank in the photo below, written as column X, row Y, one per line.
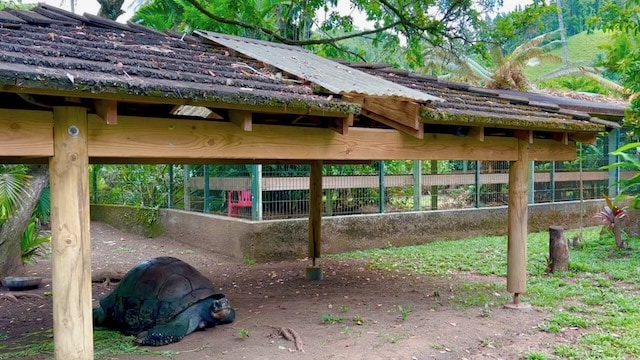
column 403, row 112
column 241, row 119
column 26, row 133
column 517, row 226
column 107, row 110
column 177, row 141
column 371, row 181
column 71, row 244
column 417, row 133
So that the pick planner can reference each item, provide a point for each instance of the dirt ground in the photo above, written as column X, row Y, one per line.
column 274, row 296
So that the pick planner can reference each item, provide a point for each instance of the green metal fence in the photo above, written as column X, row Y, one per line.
column 282, row 191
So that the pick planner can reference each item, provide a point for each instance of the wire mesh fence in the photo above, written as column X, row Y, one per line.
column 282, row 191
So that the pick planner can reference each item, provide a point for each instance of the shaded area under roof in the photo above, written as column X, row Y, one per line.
column 329, row 74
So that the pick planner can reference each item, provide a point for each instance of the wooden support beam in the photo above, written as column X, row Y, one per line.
column 525, row 135
column 107, row 110
column 517, row 217
column 241, row 119
column 26, row 133
column 341, row 125
column 71, row 259
column 315, row 211
column 562, row 137
column 476, row 132
column 188, row 141
column 417, row 133
column 401, row 111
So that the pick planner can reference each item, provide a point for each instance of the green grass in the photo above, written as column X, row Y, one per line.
column 583, row 49
column 107, row 344
column 600, row 293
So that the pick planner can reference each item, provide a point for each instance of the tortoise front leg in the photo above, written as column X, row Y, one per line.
column 173, row 331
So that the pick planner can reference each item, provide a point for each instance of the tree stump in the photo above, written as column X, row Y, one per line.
column 558, row 250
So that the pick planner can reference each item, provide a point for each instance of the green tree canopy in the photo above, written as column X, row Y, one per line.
column 419, row 24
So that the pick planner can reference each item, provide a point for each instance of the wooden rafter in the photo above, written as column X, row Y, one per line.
column 241, row 119
column 107, row 110
column 397, row 113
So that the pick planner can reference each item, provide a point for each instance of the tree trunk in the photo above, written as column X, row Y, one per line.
column 563, row 35
column 110, row 9
column 617, row 233
column 12, row 229
column 558, row 250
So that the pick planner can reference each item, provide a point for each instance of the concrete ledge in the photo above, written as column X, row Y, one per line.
column 287, row 239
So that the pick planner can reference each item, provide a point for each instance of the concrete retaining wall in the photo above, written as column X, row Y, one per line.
column 287, row 239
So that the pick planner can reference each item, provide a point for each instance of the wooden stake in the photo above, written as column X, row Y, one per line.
column 315, row 210
column 71, row 262
column 517, row 215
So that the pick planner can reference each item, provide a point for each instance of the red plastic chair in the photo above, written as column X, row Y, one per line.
column 237, row 199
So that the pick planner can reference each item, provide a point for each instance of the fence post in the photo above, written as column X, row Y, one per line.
column 381, row 185
column 552, row 179
column 614, row 173
column 477, row 180
column 94, row 182
column 256, row 191
column 417, row 185
column 171, row 191
column 205, row 207
column 531, row 183
column 434, row 188
column 187, row 192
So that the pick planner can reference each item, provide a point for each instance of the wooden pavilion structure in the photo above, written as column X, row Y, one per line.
column 80, row 89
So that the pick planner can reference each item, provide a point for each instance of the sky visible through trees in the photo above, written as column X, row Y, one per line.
column 92, row 7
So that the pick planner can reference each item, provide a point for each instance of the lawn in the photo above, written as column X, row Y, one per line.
column 600, row 293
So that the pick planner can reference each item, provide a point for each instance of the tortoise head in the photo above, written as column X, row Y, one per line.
column 221, row 309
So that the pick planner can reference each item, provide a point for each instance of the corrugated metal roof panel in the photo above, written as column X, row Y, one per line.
column 329, row 74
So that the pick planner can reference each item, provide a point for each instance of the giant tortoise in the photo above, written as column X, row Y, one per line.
column 162, row 300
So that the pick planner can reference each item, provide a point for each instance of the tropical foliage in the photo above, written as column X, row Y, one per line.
column 623, row 55
column 13, row 180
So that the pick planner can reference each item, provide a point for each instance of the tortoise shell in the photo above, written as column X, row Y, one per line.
column 154, row 292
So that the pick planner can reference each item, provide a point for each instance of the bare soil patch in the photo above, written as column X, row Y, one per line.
column 366, row 308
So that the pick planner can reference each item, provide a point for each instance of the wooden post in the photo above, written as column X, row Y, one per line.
column 558, row 250
column 517, row 216
column 315, row 210
column 71, row 263
column 187, row 190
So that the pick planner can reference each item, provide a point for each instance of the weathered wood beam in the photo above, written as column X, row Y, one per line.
column 401, row 111
column 107, row 110
column 241, row 119
column 71, row 244
column 193, row 140
column 303, row 109
column 26, row 133
column 517, row 227
column 417, row 133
